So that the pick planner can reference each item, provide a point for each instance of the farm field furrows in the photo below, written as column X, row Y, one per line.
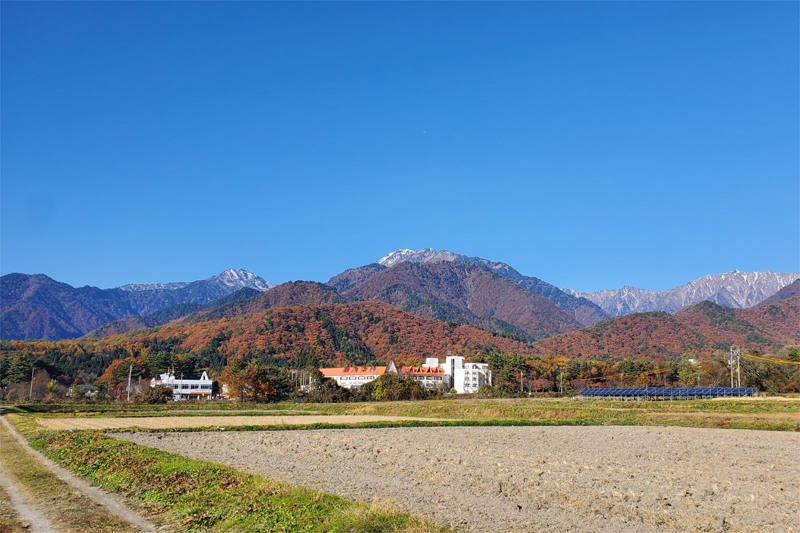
column 606, row 479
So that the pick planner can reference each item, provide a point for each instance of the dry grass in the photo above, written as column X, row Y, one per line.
column 9, row 520
column 232, row 421
column 61, row 504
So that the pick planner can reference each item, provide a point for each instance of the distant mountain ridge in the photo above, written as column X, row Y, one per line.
column 734, row 289
column 582, row 310
column 39, row 307
column 238, row 278
column 164, row 316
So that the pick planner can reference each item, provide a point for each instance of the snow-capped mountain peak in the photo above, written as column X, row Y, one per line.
column 240, row 278
column 234, row 278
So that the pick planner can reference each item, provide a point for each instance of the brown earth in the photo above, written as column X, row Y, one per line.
column 477, row 479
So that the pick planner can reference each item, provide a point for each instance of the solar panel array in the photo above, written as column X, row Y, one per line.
column 671, row 392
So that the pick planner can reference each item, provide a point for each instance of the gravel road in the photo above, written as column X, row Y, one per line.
column 588, row 479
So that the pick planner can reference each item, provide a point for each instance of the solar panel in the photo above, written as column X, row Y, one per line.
column 671, row 392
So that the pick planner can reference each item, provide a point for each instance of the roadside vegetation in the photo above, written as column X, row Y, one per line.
column 71, row 511
column 201, row 496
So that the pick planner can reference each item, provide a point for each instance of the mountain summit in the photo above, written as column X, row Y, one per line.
column 582, row 310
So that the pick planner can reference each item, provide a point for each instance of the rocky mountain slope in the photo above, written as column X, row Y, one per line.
column 581, row 309
column 735, row 289
column 789, row 291
column 39, row 307
column 466, row 292
column 164, row 316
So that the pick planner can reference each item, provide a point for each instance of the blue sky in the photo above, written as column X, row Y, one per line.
column 592, row 145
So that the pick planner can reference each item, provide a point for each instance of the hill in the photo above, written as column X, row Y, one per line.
column 734, row 289
column 334, row 334
column 582, row 310
column 465, row 292
column 290, row 293
column 699, row 330
column 36, row 306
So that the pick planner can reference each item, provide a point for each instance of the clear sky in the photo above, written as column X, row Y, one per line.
column 592, row 145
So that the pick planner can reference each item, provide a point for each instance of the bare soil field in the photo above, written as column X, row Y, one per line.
column 174, row 422
column 479, row 479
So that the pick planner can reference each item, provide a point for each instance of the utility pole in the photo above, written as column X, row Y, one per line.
column 30, row 394
column 735, row 356
column 130, row 371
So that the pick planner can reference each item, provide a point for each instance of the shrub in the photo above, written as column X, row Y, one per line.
column 153, row 395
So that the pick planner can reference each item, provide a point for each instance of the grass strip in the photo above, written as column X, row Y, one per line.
column 368, row 425
column 60, row 503
column 203, row 496
column 9, row 519
column 720, row 423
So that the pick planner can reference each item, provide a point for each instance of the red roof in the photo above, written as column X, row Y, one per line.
column 422, row 371
column 353, row 371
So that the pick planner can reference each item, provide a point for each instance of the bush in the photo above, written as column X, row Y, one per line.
column 391, row 387
column 326, row 390
column 153, row 395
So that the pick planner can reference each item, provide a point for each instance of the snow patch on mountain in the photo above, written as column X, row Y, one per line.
column 234, row 278
column 735, row 289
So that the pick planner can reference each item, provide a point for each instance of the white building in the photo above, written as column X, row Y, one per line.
column 463, row 377
column 185, row 389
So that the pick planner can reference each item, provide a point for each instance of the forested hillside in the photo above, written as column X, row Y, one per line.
column 333, row 334
column 697, row 331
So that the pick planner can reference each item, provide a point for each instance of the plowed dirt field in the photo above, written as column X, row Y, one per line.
column 549, row 479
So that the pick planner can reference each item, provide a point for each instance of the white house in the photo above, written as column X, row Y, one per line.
column 185, row 389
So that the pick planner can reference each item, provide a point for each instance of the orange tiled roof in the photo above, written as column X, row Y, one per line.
column 353, row 371
column 422, row 371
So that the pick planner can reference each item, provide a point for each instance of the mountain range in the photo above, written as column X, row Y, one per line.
column 734, row 289
column 38, row 307
column 430, row 284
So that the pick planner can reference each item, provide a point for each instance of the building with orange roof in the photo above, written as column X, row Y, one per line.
column 353, row 377
column 429, row 376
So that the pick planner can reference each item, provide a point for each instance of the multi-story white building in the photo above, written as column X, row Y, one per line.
column 463, row 377
column 185, row 389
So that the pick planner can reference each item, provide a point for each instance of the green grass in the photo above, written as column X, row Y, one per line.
column 71, row 511
column 202, row 496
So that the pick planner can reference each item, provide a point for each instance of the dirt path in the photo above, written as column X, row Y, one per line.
column 32, row 519
column 110, row 502
column 172, row 422
column 525, row 479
